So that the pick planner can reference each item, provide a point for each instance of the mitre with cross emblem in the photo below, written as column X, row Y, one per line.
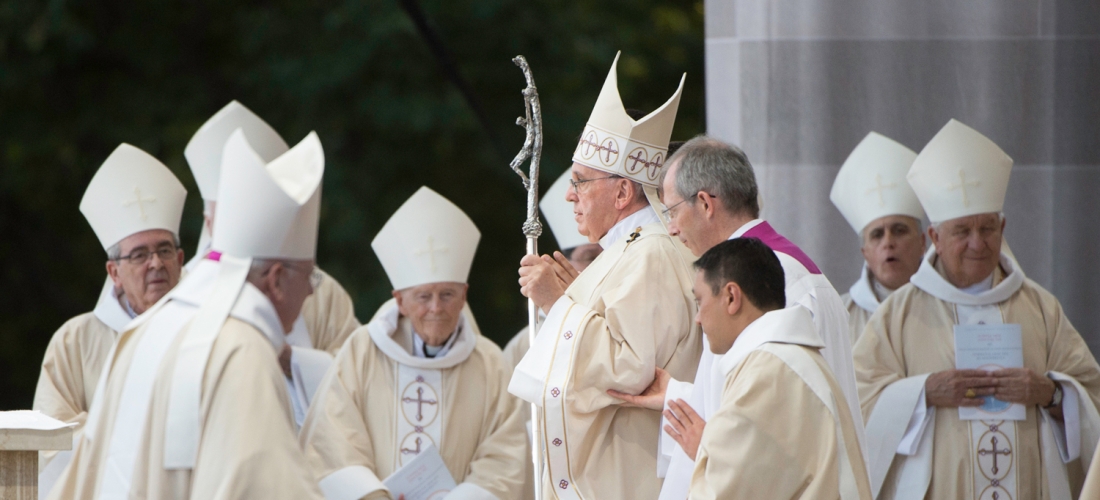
column 559, row 214
column 204, row 150
column 616, row 144
column 959, row 173
column 427, row 240
column 132, row 192
column 269, row 210
column 871, row 183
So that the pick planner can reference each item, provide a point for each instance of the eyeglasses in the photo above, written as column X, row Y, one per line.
column 668, row 211
column 141, row 256
column 576, row 184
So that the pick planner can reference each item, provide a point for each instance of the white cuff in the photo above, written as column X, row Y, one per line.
column 666, row 446
column 1067, row 433
column 918, row 423
column 529, row 378
column 470, row 491
column 350, row 483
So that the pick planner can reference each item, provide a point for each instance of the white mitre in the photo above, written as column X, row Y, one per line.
column 959, row 173
column 269, row 210
column 559, row 214
column 204, row 150
column 871, row 183
column 428, row 240
column 615, row 143
column 130, row 193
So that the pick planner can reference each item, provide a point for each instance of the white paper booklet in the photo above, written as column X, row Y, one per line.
column 990, row 347
column 424, row 478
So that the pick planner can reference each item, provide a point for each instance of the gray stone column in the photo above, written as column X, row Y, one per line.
column 798, row 83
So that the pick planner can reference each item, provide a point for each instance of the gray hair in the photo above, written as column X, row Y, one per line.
column 719, row 169
column 114, row 252
column 936, row 225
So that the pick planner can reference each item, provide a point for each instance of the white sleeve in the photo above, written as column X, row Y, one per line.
column 1067, row 433
column 350, row 483
column 918, row 423
column 666, row 446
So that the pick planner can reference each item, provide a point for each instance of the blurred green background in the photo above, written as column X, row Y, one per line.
column 78, row 78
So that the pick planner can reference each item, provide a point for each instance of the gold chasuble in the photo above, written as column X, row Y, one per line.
column 631, row 310
column 783, row 429
column 920, row 452
column 381, row 405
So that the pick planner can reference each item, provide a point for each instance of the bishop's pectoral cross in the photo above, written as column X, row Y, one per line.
column 431, row 251
column 994, row 451
column 140, row 201
column 962, row 185
column 420, row 402
column 880, row 187
column 406, row 451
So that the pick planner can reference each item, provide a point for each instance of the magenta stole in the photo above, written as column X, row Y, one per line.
column 764, row 232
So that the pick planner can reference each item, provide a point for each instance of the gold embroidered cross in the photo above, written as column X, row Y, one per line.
column 138, row 199
column 431, row 251
column 962, row 185
column 880, row 187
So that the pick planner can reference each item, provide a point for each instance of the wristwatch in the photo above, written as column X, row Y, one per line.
column 1056, row 399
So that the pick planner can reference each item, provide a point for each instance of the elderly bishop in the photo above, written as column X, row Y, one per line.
column 629, row 313
column 871, row 192
column 974, row 382
column 134, row 204
column 194, row 404
column 328, row 316
column 419, row 374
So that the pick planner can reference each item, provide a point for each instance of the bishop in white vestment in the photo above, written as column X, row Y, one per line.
column 580, row 253
column 871, row 192
column 195, row 404
column 922, row 439
column 134, row 204
column 783, row 430
column 419, row 374
column 627, row 314
column 328, row 316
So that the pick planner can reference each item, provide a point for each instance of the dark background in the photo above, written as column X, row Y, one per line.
column 79, row 77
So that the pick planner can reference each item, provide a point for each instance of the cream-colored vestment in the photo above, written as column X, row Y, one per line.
column 70, row 371
column 329, row 315
column 381, row 404
column 920, row 452
column 862, row 300
column 784, row 429
column 247, row 447
column 631, row 310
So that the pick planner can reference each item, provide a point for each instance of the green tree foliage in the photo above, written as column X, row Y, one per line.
column 78, row 78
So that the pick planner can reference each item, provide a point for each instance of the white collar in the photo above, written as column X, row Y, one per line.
column 384, row 325
column 419, row 347
column 929, row 279
column 643, row 217
column 866, row 291
column 981, row 286
column 746, row 228
column 109, row 310
column 790, row 325
column 252, row 306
